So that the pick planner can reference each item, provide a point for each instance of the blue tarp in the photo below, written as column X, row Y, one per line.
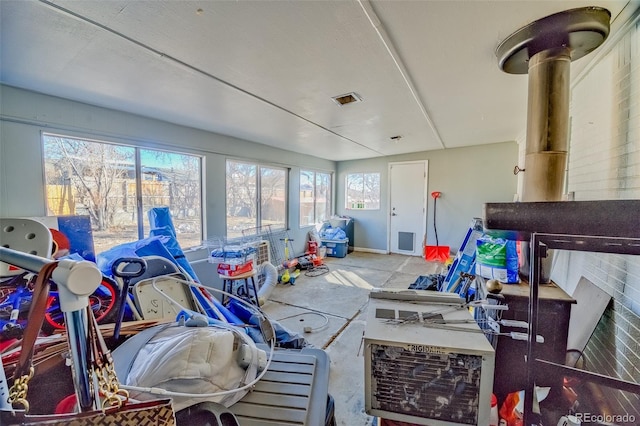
column 162, row 226
column 152, row 246
column 330, row 233
column 285, row 338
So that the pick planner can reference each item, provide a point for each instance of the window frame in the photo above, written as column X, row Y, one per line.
column 361, row 203
column 329, row 197
column 138, row 176
column 259, row 166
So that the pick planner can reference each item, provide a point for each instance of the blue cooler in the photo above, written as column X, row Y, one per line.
column 336, row 248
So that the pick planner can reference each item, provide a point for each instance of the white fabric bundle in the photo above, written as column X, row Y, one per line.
column 195, row 360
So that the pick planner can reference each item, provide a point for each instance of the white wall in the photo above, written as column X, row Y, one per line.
column 24, row 115
column 467, row 177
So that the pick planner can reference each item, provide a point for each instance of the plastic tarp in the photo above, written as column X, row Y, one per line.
column 159, row 217
column 330, row 233
column 428, row 282
column 171, row 243
column 285, row 338
column 152, row 246
column 162, row 226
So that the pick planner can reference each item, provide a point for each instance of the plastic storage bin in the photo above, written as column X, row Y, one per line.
column 336, row 248
column 345, row 223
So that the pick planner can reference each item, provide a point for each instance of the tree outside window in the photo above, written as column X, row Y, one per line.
column 103, row 180
column 363, row 191
column 256, row 197
column 315, row 197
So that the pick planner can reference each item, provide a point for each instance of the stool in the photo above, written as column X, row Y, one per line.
column 227, row 286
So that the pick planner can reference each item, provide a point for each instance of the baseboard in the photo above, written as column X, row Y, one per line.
column 370, row 250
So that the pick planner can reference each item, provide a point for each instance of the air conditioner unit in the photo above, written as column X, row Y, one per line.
column 424, row 363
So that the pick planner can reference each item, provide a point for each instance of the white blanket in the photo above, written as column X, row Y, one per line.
column 196, row 360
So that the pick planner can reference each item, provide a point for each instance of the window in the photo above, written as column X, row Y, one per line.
column 256, row 196
column 117, row 185
column 315, row 197
column 363, row 191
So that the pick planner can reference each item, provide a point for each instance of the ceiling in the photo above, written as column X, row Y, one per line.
column 266, row 71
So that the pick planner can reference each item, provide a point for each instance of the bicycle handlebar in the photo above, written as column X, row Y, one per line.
column 129, row 261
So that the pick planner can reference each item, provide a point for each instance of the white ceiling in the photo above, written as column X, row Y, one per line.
column 266, row 70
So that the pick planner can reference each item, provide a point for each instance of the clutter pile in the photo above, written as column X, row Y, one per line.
column 233, row 259
column 168, row 335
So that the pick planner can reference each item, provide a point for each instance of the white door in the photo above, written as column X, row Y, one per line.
column 407, row 207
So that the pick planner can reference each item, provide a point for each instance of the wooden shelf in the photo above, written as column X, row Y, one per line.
column 549, row 291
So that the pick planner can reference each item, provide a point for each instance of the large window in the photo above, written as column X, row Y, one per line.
column 315, row 197
column 256, row 197
column 117, row 185
column 363, row 191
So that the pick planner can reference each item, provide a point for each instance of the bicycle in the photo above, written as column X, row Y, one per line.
column 15, row 300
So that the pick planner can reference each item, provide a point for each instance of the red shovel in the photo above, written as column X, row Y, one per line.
column 436, row 253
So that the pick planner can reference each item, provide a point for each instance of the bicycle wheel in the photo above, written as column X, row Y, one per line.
column 104, row 303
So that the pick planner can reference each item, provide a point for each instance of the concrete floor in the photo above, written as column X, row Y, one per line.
column 341, row 296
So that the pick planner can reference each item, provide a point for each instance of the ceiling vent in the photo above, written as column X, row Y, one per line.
column 348, row 98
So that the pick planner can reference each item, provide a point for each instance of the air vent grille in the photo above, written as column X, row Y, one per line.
column 436, row 386
column 348, row 98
